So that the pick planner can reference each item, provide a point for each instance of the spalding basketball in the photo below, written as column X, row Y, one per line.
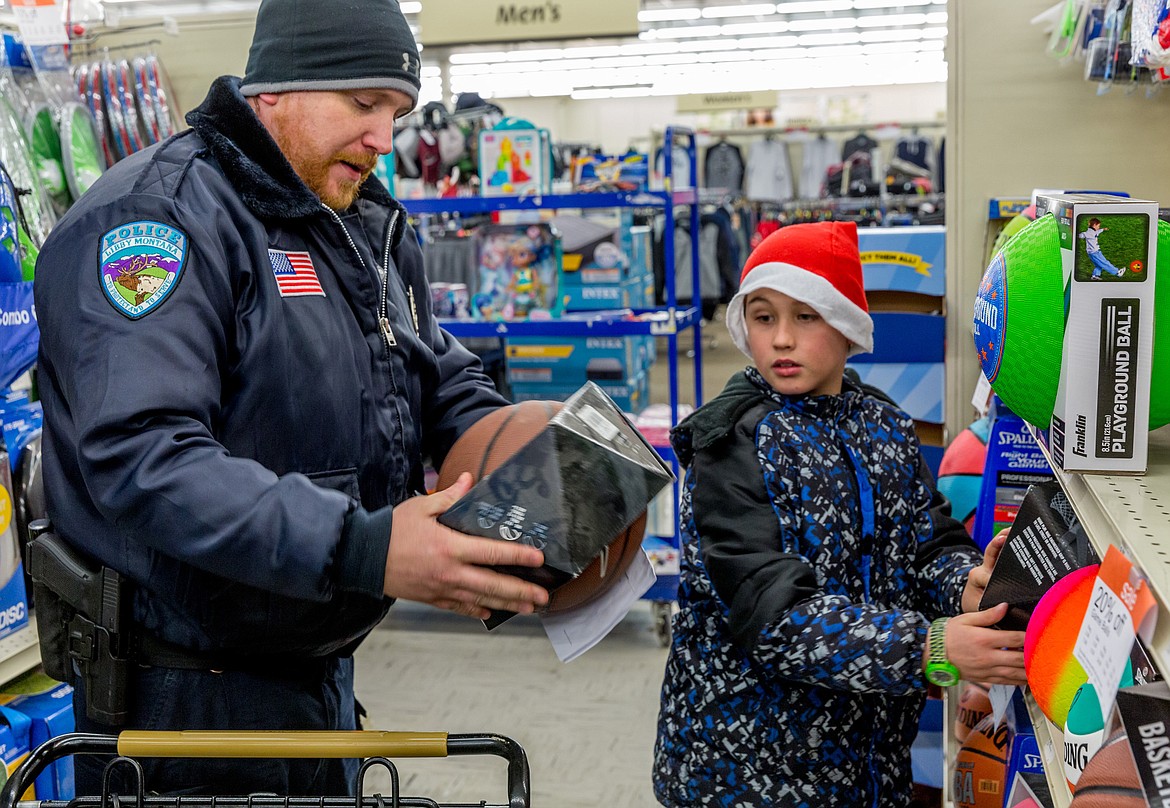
column 980, row 773
column 974, row 705
column 1054, row 674
column 498, row 436
column 1110, row 779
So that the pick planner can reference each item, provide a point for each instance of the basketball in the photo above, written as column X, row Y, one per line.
column 1110, row 779
column 980, row 772
column 498, row 436
column 1054, row 674
column 974, row 705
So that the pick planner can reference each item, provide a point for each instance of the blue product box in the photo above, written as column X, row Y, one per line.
column 904, row 259
column 1014, row 463
column 640, row 249
column 48, row 704
column 15, row 730
column 13, row 601
column 631, row 396
column 573, row 360
column 601, row 296
column 918, row 388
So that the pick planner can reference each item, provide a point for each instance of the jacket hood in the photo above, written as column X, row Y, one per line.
column 253, row 162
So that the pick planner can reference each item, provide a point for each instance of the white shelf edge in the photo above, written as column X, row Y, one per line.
column 1051, row 743
column 19, row 652
column 1133, row 513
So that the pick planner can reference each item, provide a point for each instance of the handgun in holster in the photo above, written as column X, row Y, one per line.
column 83, row 623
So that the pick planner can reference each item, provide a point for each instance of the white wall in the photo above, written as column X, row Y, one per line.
column 617, row 123
column 1019, row 120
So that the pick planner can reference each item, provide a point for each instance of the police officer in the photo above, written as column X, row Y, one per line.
column 241, row 376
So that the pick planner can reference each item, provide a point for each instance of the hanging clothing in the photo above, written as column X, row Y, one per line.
column 915, row 149
column 819, row 154
column 723, row 167
column 940, row 174
column 861, row 142
column 680, row 168
column 769, row 172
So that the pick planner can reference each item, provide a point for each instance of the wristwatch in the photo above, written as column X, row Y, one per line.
column 939, row 670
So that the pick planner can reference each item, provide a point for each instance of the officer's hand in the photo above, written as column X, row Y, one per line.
column 985, row 654
column 978, row 577
column 430, row 563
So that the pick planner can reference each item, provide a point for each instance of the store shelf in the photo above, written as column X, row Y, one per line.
column 621, row 322
column 489, row 204
column 1051, row 742
column 19, row 652
column 1132, row 512
column 1005, row 207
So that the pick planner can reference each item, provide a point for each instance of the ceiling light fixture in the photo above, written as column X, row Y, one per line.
column 667, row 14
column 749, row 10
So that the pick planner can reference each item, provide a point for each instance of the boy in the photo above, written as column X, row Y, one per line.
column 1093, row 250
column 811, row 570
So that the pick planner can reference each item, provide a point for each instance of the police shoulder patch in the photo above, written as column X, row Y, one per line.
column 140, row 265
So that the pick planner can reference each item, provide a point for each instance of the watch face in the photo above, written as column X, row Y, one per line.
column 942, row 674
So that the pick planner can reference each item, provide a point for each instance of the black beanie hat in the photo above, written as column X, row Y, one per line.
column 331, row 45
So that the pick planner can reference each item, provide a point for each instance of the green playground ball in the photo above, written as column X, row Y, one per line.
column 1019, row 323
column 1160, row 383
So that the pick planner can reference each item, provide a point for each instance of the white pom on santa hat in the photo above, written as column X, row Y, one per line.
column 819, row 265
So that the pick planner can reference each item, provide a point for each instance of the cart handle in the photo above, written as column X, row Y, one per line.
column 276, row 744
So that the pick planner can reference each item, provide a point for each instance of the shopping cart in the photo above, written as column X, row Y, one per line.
column 375, row 748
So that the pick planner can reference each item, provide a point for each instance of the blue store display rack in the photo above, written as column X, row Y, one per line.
column 666, row 321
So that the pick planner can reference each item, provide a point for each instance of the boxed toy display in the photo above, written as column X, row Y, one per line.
column 518, row 272
column 513, row 162
column 1108, row 248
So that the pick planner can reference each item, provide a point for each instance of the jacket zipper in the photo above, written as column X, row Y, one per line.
column 383, row 274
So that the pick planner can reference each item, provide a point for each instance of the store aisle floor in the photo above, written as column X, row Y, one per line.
column 588, row 727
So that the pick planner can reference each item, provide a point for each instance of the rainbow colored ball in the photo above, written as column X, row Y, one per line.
column 1054, row 674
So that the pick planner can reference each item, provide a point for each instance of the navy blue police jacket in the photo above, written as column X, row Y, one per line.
column 223, row 428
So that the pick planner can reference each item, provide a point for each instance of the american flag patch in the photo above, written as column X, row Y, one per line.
column 295, row 274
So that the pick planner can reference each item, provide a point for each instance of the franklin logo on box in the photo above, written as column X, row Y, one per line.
column 569, row 491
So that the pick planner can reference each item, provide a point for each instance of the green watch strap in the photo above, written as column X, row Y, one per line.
column 939, row 670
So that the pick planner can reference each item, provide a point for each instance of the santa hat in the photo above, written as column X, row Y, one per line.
column 817, row 264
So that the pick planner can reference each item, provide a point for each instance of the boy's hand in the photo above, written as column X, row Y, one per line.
column 978, row 577
column 985, row 654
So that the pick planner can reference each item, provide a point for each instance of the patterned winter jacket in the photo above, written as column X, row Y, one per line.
column 815, row 555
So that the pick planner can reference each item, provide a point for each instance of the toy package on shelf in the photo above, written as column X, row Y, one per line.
column 514, row 161
column 518, row 272
column 594, row 173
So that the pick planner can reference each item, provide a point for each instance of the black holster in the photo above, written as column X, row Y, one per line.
column 84, row 623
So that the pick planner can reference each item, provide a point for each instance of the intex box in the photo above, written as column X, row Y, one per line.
column 569, row 491
column 1108, row 247
column 48, row 704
